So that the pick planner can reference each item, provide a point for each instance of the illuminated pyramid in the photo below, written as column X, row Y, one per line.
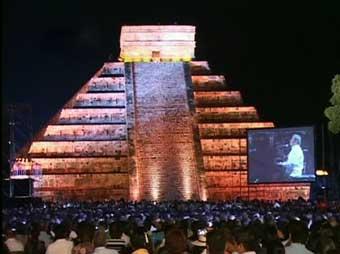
column 154, row 126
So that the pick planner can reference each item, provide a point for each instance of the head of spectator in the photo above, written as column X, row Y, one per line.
column 86, row 232
column 60, row 231
column 13, row 244
column 246, row 241
column 325, row 245
column 216, row 242
column 115, row 230
column 138, row 243
column 99, row 239
column 298, row 231
column 283, row 232
column 275, row 247
column 230, row 243
column 175, row 241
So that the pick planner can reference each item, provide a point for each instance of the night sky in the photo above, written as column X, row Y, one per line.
column 281, row 57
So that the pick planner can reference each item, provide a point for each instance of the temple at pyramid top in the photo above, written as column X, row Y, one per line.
column 157, row 43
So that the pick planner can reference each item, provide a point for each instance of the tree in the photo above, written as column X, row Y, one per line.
column 333, row 112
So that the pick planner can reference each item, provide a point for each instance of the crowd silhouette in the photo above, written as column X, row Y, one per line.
column 172, row 227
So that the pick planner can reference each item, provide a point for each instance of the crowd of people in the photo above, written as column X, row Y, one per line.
column 171, row 227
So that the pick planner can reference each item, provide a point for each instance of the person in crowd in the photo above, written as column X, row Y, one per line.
column 4, row 248
column 34, row 245
column 230, row 242
column 326, row 245
column 100, row 242
column 12, row 243
column 246, row 242
column 86, row 234
column 198, row 239
column 117, row 240
column 138, row 243
column 216, row 242
column 22, row 233
column 299, row 235
column 175, row 242
column 283, row 233
column 275, row 247
column 44, row 234
column 61, row 244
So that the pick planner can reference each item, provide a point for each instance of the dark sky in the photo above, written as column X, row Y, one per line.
column 281, row 57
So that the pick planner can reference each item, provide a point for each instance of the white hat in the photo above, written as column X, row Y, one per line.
column 201, row 241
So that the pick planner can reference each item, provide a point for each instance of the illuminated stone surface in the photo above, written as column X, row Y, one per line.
column 166, row 162
column 161, row 130
column 157, row 43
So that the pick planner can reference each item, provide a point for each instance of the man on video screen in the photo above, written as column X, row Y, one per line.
column 295, row 160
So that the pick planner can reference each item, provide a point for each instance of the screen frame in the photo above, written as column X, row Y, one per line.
column 313, row 127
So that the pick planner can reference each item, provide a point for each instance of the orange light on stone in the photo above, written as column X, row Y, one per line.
column 204, row 194
column 186, row 179
column 155, row 183
column 134, row 188
column 133, row 131
column 207, row 78
column 225, row 109
column 140, row 43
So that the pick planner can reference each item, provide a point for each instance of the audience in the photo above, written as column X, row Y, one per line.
column 176, row 227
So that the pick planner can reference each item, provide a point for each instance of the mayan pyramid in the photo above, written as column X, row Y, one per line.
column 155, row 125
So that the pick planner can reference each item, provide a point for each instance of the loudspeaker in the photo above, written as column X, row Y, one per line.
column 22, row 187
column 6, row 188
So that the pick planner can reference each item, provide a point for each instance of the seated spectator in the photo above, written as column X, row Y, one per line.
column 44, row 235
column 61, row 244
column 246, row 242
column 21, row 233
column 283, row 233
column 299, row 235
column 4, row 248
column 117, row 239
column 12, row 243
column 100, row 242
column 34, row 245
column 325, row 245
column 198, row 239
column 175, row 242
column 86, row 234
column 138, row 244
column 230, row 243
column 275, row 247
column 216, row 242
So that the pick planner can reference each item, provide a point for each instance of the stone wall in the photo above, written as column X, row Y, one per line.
column 166, row 163
column 223, row 122
column 83, row 165
column 83, row 151
column 85, row 132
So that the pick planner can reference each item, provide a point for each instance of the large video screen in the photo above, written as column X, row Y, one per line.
column 279, row 155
